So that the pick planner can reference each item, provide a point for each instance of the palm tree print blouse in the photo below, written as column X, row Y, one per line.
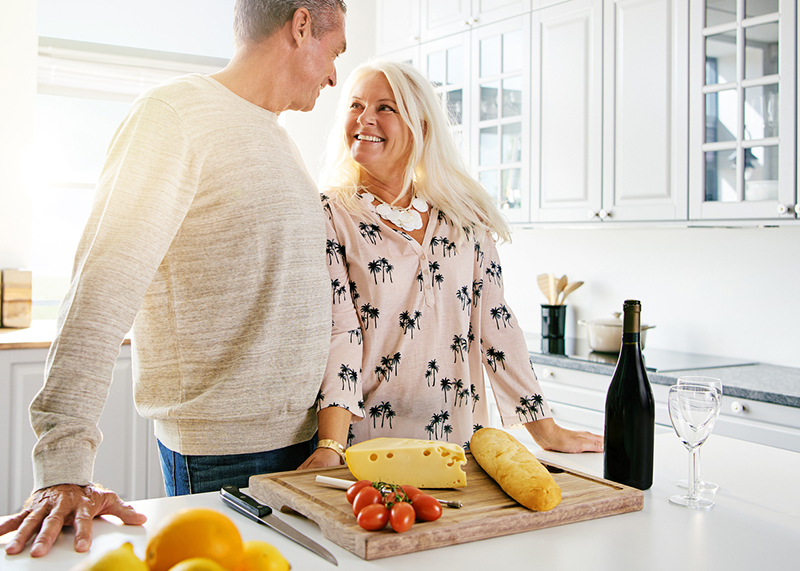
column 415, row 325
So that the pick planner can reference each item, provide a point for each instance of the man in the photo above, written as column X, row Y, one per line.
column 207, row 237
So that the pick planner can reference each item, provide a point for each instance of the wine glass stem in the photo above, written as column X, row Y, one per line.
column 697, row 469
column 692, row 495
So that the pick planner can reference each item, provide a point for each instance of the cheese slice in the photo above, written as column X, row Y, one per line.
column 420, row 463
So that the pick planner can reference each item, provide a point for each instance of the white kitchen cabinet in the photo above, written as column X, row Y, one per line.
column 566, row 109
column 440, row 18
column 499, row 117
column 578, row 397
column 646, row 113
column 397, row 25
column 610, row 108
column 127, row 460
column 743, row 122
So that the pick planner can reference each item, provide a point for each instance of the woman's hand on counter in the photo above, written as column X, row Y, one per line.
column 550, row 436
column 49, row 509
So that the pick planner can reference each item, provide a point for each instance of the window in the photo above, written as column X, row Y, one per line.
column 84, row 93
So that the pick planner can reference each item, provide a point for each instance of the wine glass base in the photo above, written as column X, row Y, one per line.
column 699, row 487
column 693, row 503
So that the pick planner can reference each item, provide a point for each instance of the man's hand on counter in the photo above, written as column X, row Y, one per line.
column 49, row 509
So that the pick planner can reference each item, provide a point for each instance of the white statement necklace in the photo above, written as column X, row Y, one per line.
column 407, row 218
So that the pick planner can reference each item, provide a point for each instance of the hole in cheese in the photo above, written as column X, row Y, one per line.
column 426, row 453
column 373, row 457
column 445, row 453
column 390, row 455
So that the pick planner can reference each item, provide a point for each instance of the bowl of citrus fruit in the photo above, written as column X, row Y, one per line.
column 192, row 539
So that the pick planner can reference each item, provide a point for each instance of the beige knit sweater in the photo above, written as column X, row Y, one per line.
column 208, row 231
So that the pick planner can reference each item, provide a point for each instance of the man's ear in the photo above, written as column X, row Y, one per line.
column 301, row 26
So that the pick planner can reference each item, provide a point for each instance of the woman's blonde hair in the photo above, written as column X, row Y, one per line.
column 435, row 166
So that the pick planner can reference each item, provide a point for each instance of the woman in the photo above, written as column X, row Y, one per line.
column 416, row 282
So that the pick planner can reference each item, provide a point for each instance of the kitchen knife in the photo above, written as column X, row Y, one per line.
column 262, row 514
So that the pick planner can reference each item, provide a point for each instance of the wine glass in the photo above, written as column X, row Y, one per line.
column 699, row 485
column 693, row 410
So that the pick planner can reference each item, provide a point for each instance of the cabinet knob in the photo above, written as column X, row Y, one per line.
column 604, row 214
column 547, row 372
column 797, row 208
column 592, row 214
column 783, row 209
column 737, row 407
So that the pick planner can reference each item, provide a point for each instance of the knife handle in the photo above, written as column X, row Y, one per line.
column 245, row 502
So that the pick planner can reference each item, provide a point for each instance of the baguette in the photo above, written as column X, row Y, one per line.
column 515, row 469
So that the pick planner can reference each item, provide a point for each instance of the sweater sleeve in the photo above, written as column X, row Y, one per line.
column 341, row 385
column 145, row 189
column 503, row 348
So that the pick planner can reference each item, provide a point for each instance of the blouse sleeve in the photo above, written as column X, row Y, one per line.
column 503, row 348
column 341, row 385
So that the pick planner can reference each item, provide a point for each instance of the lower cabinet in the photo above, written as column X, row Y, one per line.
column 127, row 460
column 578, row 397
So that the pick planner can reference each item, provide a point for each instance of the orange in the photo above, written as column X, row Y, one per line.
column 262, row 556
column 194, row 532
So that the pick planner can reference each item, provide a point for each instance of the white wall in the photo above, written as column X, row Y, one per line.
column 17, row 89
column 732, row 292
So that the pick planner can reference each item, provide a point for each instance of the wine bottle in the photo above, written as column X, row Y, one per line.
column 630, row 411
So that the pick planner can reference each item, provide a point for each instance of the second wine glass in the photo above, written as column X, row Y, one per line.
column 700, row 486
column 693, row 410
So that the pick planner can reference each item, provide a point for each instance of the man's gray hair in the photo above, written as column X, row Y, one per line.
column 254, row 20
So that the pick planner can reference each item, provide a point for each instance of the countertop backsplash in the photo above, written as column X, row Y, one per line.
column 729, row 292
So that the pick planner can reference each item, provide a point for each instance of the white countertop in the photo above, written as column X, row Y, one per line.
column 754, row 525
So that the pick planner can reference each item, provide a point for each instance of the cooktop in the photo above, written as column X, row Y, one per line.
column 658, row 360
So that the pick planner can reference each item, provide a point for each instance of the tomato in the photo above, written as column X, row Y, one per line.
column 411, row 492
column 373, row 517
column 366, row 496
column 355, row 488
column 426, row 507
column 401, row 517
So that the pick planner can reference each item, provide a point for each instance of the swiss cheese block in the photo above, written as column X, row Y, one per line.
column 420, row 463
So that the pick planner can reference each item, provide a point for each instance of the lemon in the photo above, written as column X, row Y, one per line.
column 261, row 556
column 120, row 559
column 197, row 564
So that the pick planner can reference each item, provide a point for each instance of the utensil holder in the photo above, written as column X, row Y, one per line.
column 554, row 320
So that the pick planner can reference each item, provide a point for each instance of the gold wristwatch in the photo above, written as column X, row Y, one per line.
column 333, row 445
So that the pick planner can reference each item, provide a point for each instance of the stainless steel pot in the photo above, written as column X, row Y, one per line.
column 605, row 334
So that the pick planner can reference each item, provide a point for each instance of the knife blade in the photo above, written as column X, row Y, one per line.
column 258, row 512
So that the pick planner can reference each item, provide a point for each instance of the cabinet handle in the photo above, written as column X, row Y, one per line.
column 737, row 407
column 547, row 372
column 782, row 209
column 592, row 214
column 603, row 214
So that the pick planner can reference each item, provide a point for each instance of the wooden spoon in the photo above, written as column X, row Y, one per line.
column 552, row 280
column 569, row 289
column 544, row 285
column 562, row 283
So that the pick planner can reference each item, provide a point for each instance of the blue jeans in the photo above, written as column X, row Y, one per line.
column 196, row 474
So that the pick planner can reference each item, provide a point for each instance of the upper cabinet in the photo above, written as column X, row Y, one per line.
column 604, row 111
column 610, row 92
column 444, row 17
column 743, row 151
column 398, row 25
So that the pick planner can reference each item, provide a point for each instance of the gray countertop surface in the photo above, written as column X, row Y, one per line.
column 755, row 381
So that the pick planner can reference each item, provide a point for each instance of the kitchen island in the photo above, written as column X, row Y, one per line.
column 755, row 523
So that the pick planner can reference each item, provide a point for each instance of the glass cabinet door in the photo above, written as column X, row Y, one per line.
column 501, row 114
column 747, row 92
column 446, row 63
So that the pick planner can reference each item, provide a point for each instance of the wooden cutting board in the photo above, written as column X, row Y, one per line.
column 487, row 511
